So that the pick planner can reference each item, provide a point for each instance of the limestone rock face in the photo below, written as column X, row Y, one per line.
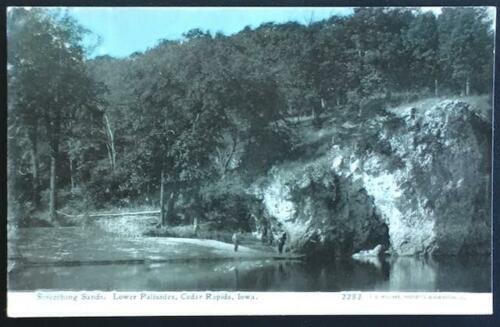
column 322, row 214
column 427, row 192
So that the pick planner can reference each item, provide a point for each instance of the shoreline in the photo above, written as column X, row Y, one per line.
column 76, row 246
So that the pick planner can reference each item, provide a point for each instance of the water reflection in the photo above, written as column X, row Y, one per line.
column 411, row 274
column 395, row 274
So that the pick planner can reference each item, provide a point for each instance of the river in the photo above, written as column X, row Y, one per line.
column 393, row 274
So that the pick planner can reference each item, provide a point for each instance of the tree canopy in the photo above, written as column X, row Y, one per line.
column 189, row 113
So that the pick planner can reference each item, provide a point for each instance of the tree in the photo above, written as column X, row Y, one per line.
column 378, row 36
column 189, row 112
column 466, row 48
column 26, row 90
column 13, row 151
column 51, row 84
column 179, row 118
column 421, row 40
column 112, row 74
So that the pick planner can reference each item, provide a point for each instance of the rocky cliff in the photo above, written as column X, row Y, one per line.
column 415, row 179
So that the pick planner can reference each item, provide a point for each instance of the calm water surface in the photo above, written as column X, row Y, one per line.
column 401, row 274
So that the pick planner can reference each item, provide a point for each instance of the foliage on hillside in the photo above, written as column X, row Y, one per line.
column 199, row 120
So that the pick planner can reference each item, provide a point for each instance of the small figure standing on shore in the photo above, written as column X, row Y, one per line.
column 236, row 240
column 270, row 238
column 263, row 236
column 196, row 227
column 281, row 242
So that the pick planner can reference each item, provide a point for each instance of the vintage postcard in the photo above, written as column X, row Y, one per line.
column 249, row 161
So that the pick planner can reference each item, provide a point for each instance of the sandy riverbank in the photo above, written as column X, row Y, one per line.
column 91, row 245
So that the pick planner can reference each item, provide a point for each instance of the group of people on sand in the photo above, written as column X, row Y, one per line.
column 267, row 235
column 237, row 237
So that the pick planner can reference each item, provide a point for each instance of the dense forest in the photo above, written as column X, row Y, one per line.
column 188, row 125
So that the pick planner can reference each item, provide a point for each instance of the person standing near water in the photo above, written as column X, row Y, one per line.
column 263, row 236
column 236, row 240
column 196, row 227
column 281, row 242
column 270, row 238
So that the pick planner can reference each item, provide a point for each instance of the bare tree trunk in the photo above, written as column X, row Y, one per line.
column 13, row 207
column 170, row 207
column 198, row 205
column 230, row 156
column 110, row 143
column 323, row 107
column 193, row 127
column 71, row 174
column 35, row 197
column 162, row 197
column 53, row 192
column 54, row 129
column 435, row 87
column 467, row 87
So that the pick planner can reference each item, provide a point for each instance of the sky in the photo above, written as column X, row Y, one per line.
column 119, row 32
column 123, row 31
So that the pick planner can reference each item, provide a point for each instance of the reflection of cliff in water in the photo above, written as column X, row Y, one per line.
column 303, row 276
column 411, row 274
column 371, row 274
column 473, row 274
column 469, row 274
column 377, row 274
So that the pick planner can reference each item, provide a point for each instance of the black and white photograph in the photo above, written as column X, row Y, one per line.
column 229, row 153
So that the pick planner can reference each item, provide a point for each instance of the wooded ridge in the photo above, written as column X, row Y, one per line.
column 189, row 124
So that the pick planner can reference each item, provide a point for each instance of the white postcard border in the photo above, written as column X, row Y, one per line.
column 146, row 303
